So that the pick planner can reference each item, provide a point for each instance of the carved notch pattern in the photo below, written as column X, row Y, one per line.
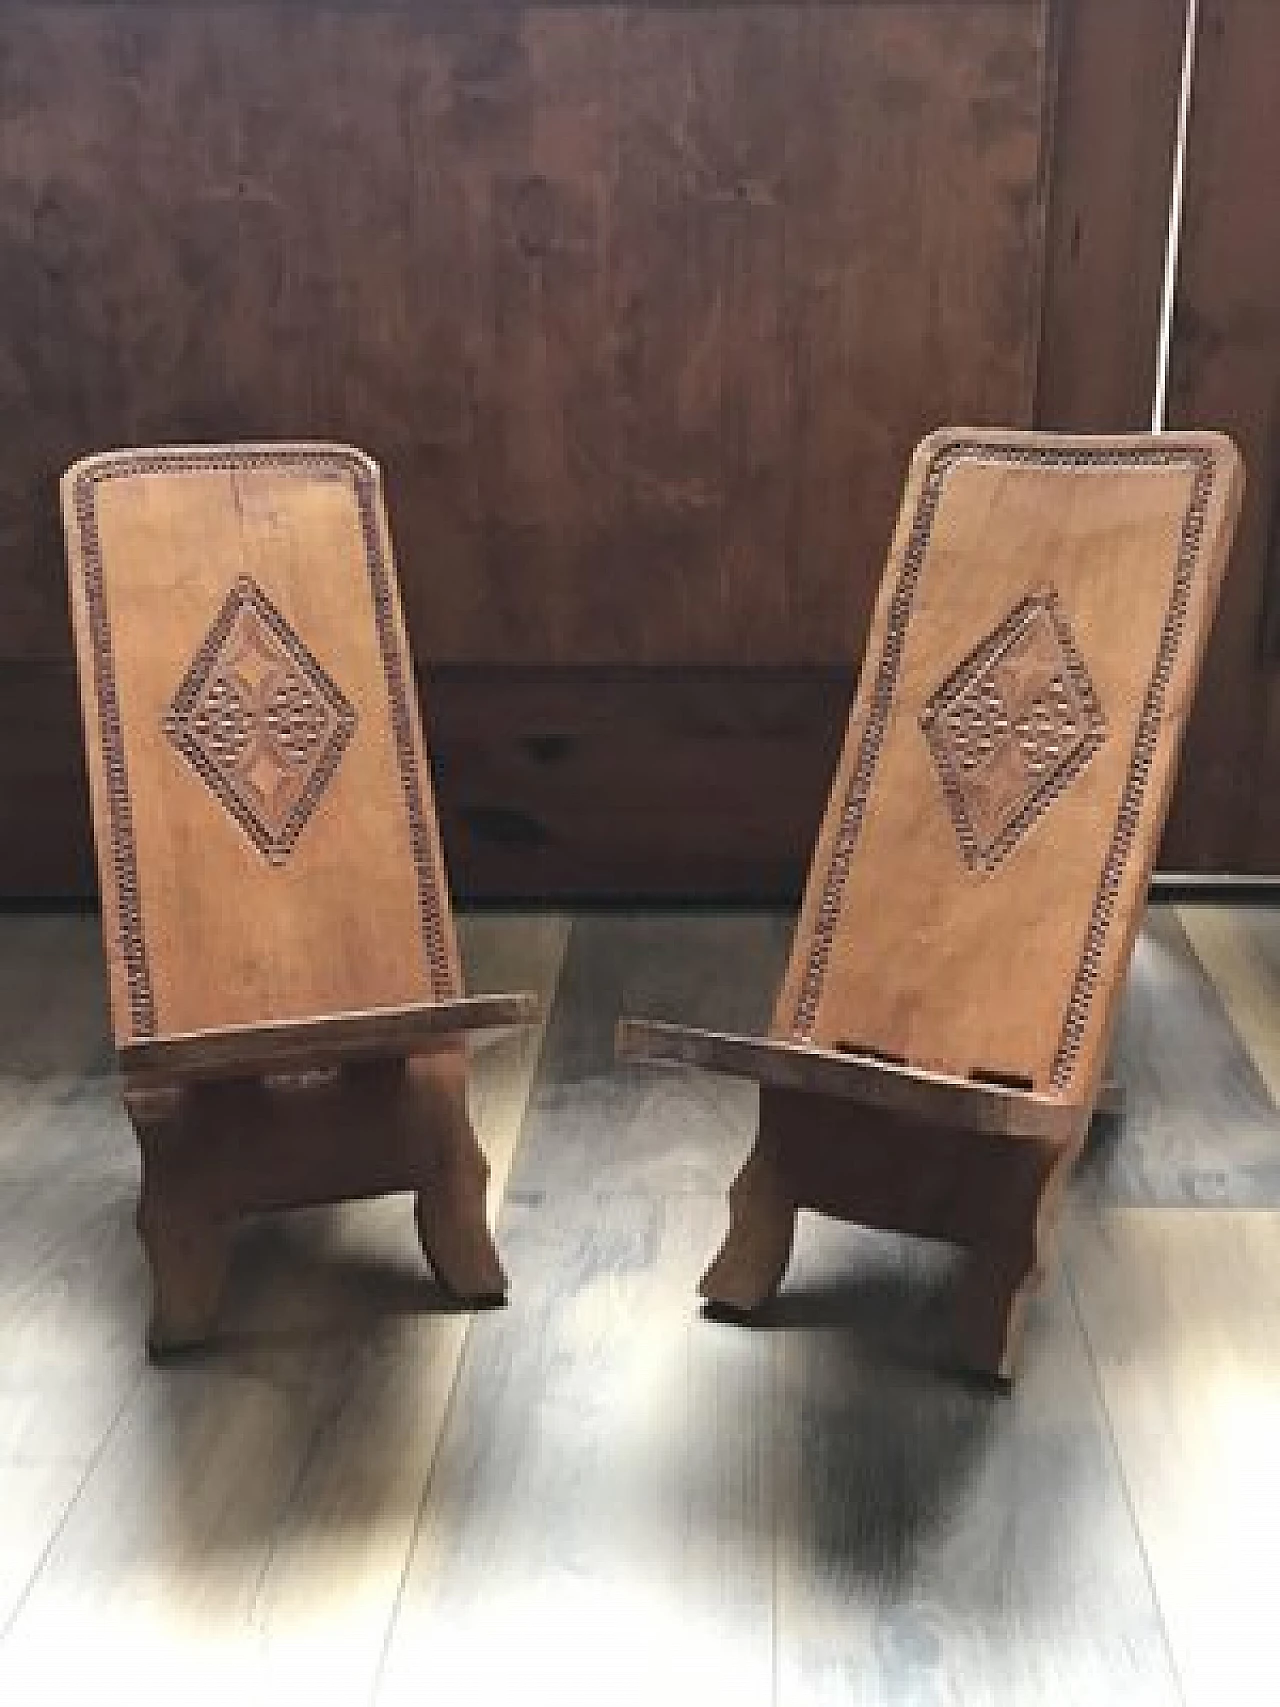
column 260, row 721
column 1012, row 727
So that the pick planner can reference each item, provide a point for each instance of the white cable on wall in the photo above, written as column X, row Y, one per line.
column 1175, row 223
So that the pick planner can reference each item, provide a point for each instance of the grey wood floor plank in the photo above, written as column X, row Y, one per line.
column 60, row 1113
column 647, row 1128
column 65, row 1369
column 599, row 1523
column 599, row 1519
column 239, row 1523
column 1199, row 1126
column 1183, row 1315
column 619, row 1476
column 941, row 1541
column 327, row 1594
column 610, row 1497
column 1239, row 948
column 155, row 1566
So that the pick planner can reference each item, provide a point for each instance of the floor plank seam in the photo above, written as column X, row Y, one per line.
column 1125, row 1489
column 324, row 1424
column 397, row 1601
column 77, row 1495
column 775, row 1522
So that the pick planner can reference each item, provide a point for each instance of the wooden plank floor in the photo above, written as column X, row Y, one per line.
column 595, row 1494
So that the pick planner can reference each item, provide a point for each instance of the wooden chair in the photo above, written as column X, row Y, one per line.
column 938, row 1042
column 284, row 979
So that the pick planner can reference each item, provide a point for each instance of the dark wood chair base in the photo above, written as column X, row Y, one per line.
column 988, row 1194
column 215, row 1152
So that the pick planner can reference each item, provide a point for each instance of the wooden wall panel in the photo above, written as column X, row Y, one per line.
column 1119, row 69
column 1225, row 372
column 673, row 784
column 641, row 307
column 45, row 841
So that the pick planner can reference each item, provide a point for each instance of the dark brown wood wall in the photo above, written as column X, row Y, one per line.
column 641, row 307
column 1225, row 368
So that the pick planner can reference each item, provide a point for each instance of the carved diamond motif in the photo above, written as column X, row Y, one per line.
column 1011, row 728
column 260, row 721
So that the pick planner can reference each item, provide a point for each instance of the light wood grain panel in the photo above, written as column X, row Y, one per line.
column 1181, row 1312
column 70, row 1273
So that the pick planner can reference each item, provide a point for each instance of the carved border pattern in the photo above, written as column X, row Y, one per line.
column 331, row 464
column 880, row 703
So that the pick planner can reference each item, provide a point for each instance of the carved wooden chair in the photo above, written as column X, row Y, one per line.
column 938, row 1043
column 284, row 979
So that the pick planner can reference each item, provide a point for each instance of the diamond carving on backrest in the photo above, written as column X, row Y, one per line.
column 260, row 721
column 1011, row 727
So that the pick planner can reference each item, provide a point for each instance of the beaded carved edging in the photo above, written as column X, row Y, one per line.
column 880, row 703
column 1144, row 750
column 329, row 464
column 124, row 865
column 424, row 865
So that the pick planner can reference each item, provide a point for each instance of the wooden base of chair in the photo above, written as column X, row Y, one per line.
column 213, row 1152
column 990, row 1194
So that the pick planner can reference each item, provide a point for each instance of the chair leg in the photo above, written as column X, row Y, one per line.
column 451, row 1210
column 1003, row 1275
column 186, row 1248
column 751, row 1262
column 990, row 1306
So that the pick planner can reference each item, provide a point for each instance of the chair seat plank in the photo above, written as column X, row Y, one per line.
column 937, row 1097
column 302, row 1045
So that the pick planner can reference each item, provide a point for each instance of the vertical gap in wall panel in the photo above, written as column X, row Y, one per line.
column 1175, row 223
